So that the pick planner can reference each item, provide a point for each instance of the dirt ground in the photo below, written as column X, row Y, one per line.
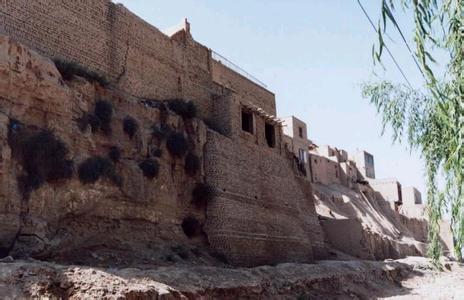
column 427, row 283
column 410, row 278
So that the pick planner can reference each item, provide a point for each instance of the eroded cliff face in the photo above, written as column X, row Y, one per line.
column 364, row 226
column 88, row 175
column 63, row 218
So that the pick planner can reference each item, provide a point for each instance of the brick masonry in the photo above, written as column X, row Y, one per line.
column 264, row 213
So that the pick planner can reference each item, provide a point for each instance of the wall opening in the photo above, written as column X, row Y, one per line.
column 270, row 135
column 247, row 121
column 300, row 132
column 302, row 155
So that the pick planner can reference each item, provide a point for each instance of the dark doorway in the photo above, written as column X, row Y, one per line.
column 247, row 121
column 270, row 135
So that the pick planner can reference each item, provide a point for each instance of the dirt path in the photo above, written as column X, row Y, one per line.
column 410, row 278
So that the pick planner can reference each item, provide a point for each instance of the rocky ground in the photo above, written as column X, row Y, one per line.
column 408, row 278
column 428, row 283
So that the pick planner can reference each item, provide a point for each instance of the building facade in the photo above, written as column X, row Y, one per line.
column 297, row 142
column 365, row 163
column 262, row 204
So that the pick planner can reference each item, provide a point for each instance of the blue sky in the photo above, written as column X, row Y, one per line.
column 313, row 54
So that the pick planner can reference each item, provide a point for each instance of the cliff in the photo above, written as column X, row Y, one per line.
column 85, row 169
column 90, row 174
column 360, row 223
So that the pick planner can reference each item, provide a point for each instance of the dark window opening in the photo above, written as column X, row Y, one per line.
column 300, row 132
column 247, row 121
column 270, row 135
column 400, row 194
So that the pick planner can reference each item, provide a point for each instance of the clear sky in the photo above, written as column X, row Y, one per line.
column 313, row 54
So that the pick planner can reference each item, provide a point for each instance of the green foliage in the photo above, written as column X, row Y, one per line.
column 433, row 120
column 69, row 69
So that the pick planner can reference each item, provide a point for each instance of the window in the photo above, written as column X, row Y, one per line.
column 400, row 194
column 270, row 135
column 300, row 132
column 247, row 121
column 302, row 155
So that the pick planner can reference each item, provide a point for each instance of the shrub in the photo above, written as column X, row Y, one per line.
column 70, row 69
column 96, row 167
column 89, row 119
column 150, row 168
column 28, row 183
column 104, row 112
column 161, row 131
column 42, row 156
column 191, row 226
column 114, row 154
column 185, row 109
column 155, row 152
column 192, row 164
column 130, row 126
column 177, row 144
column 202, row 194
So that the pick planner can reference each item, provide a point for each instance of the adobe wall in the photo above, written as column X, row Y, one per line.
column 346, row 235
column 261, row 215
column 324, row 170
column 293, row 141
column 245, row 89
column 366, row 168
column 388, row 189
column 111, row 40
column 348, row 174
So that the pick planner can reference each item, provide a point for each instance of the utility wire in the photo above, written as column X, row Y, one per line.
column 385, row 45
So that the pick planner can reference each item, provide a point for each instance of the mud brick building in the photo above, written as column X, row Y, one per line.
column 264, row 211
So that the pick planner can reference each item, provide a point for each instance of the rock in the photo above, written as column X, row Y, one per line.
column 7, row 259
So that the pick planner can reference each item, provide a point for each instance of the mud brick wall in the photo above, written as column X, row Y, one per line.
column 245, row 89
column 261, row 215
column 108, row 38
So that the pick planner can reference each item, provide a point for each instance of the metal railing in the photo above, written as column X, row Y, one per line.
column 219, row 58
